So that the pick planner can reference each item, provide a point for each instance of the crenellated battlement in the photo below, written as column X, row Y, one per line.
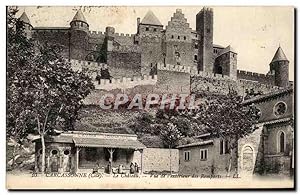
column 123, row 35
column 82, row 65
column 254, row 74
column 97, row 33
column 263, row 78
column 125, row 82
column 256, row 84
column 176, row 68
column 191, row 70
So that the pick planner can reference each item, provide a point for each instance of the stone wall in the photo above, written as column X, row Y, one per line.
column 158, row 159
column 54, row 36
column 262, row 78
column 216, row 84
column 169, row 82
column 251, row 164
column 124, row 64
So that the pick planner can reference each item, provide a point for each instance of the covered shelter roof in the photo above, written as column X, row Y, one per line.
column 196, row 144
column 108, row 143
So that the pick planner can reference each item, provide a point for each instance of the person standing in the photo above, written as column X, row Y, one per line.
column 136, row 168
column 132, row 168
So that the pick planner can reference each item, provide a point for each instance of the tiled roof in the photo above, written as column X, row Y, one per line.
column 56, row 139
column 202, row 135
column 268, row 95
column 279, row 55
column 109, row 143
column 24, row 18
column 79, row 126
column 197, row 144
column 227, row 49
column 79, row 17
column 218, row 46
column 282, row 120
column 151, row 19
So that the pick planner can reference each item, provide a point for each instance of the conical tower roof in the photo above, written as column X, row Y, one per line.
column 151, row 19
column 279, row 56
column 24, row 18
column 79, row 17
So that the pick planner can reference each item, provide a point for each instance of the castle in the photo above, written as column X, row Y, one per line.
column 177, row 58
column 171, row 59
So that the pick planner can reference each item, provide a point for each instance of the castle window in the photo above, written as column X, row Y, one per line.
column 184, row 37
column 281, row 141
column 203, row 154
column 195, row 57
column 196, row 46
column 81, row 24
column 178, row 37
column 147, row 29
column 154, row 29
column 172, row 36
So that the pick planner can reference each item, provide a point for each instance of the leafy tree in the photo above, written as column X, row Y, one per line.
column 20, row 52
column 225, row 117
column 43, row 91
column 170, row 134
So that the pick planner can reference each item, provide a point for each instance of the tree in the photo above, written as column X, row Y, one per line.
column 170, row 136
column 43, row 91
column 20, row 53
column 225, row 117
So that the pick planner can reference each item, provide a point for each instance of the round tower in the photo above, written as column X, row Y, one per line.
column 26, row 24
column 279, row 66
column 78, row 36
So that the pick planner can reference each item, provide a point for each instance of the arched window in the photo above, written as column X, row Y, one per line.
column 281, row 142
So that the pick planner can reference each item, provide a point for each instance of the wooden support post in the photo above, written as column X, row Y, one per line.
column 141, row 151
column 36, row 162
column 48, row 167
column 77, row 159
column 111, row 152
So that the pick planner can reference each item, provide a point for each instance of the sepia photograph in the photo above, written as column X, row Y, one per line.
column 150, row 97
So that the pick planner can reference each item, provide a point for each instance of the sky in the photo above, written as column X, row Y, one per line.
column 254, row 32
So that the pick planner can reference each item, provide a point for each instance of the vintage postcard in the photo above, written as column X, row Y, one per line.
column 186, row 97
